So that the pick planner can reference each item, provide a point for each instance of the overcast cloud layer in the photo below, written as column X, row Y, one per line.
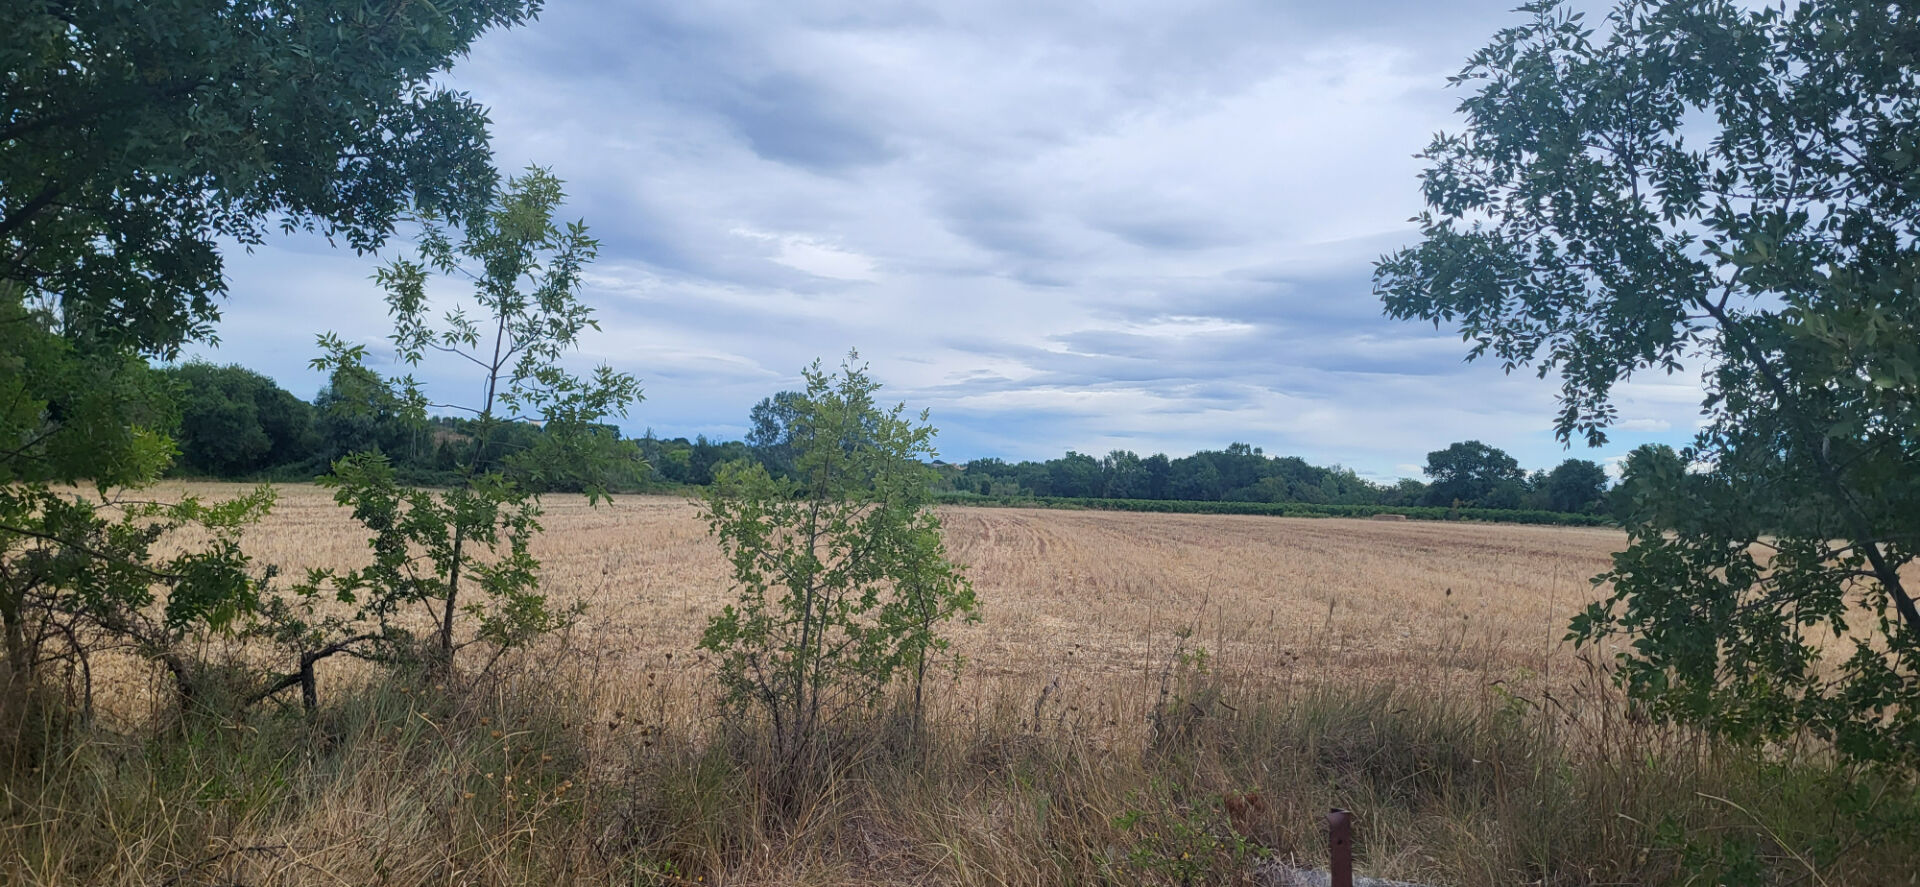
column 1091, row 226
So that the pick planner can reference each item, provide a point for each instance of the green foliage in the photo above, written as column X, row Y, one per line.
column 78, row 572
column 693, row 462
column 770, row 431
column 140, row 134
column 1575, row 485
column 1171, row 840
column 1239, row 473
column 1640, row 497
column 465, row 549
column 73, row 412
column 1708, row 182
column 843, row 578
column 423, row 543
column 1471, row 473
column 1284, row 509
column 236, row 422
column 1730, row 860
column 358, row 412
column 77, row 555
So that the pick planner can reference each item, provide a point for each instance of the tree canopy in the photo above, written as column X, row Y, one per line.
column 235, row 422
column 1736, row 190
column 770, row 430
column 1575, row 485
column 1470, row 472
column 137, row 135
column 1238, row 473
column 136, row 138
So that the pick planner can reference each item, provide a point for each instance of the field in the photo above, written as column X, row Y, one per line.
column 1086, row 597
column 1149, row 698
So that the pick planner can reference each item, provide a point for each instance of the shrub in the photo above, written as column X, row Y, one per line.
column 466, row 549
column 843, row 578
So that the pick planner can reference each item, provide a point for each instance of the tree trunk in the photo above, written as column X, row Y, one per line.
column 186, row 688
column 17, row 684
column 19, row 658
column 453, row 595
column 309, row 688
column 919, row 685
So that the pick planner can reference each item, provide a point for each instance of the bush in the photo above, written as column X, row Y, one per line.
column 843, row 577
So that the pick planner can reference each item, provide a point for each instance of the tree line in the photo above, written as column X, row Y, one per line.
column 235, row 423
column 1469, row 474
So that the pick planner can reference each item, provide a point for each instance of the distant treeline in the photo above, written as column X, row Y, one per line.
column 1467, row 475
column 1286, row 509
column 235, row 423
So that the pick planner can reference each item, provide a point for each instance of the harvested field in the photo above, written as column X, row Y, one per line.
column 1082, row 596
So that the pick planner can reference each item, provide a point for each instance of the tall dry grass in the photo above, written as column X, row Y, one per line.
column 1165, row 699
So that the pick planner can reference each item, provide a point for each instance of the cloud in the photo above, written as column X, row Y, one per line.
column 1616, row 465
column 1643, row 425
column 1083, row 225
column 815, row 257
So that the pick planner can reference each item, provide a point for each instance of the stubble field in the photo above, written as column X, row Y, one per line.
column 1084, row 602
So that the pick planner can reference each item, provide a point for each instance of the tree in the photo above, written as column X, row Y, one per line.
column 669, row 460
column 1739, row 189
column 220, row 431
column 1241, row 465
column 234, row 421
column 1471, row 472
column 138, row 135
column 1644, row 465
column 709, row 455
column 1076, row 475
column 358, row 412
column 1122, row 476
column 843, row 579
column 466, row 549
column 1033, row 477
column 1194, row 478
column 1159, row 471
column 83, row 568
column 1405, row 491
column 1575, row 485
column 133, row 138
column 770, row 431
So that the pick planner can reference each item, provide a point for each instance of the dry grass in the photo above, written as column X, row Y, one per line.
column 1409, row 670
column 1090, row 594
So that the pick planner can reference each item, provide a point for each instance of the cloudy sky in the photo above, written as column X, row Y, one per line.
column 1089, row 226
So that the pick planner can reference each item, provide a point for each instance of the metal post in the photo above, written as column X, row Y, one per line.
column 1340, row 847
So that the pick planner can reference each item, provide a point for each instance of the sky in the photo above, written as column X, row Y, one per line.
column 1088, row 226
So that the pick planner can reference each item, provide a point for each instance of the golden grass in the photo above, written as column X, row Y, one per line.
column 1087, row 594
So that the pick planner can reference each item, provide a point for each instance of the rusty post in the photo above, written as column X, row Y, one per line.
column 1340, row 847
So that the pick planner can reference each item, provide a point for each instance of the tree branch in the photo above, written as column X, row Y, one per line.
column 1887, row 573
column 25, row 212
